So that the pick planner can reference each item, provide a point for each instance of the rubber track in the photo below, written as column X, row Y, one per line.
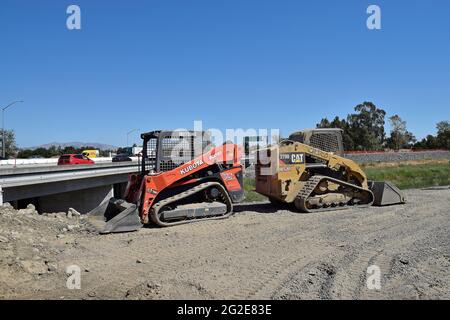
column 312, row 183
column 154, row 213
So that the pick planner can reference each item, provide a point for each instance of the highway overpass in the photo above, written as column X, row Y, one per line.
column 54, row 188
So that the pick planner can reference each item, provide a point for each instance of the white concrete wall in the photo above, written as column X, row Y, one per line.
column 81, row 200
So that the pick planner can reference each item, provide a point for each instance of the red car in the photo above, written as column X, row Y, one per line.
column 74, row 159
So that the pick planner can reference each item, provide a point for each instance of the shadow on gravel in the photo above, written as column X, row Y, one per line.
column 258, row 207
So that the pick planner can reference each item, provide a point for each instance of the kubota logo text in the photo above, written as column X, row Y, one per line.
column 191, row 167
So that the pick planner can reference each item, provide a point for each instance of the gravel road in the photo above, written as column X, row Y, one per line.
column 261, row 252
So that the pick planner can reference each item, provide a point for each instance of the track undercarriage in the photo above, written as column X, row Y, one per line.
column 322, row 193
column 174, row 211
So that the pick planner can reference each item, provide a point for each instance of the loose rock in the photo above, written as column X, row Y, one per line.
column 34, row 267
column 51, row 266
column 7, row 206
column 404, row 261
column 30, row 210
column 73, row 213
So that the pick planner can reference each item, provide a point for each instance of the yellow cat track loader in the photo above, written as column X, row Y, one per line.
column 309, row 171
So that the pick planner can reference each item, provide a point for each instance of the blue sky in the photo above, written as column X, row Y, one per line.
column 231, row 63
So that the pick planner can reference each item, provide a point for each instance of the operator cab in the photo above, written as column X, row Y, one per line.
column 325, row 139
column 166, row 150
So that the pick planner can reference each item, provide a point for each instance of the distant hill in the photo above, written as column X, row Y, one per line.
column 96, row 145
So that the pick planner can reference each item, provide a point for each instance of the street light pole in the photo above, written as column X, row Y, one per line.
column 128, row 134
column 3, row 126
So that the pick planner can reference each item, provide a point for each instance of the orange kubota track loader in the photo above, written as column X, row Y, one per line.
column 182, row 179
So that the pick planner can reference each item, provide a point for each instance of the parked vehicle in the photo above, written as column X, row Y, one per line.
column 91, row 153
column 74, row 159
column 132, row 151
column 121, row 157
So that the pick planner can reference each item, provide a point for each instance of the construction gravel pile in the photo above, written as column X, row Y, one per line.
column 398, row 156
column 30, row 244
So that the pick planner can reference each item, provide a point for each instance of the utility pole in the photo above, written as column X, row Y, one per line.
column 129, row 132
column 3, row 126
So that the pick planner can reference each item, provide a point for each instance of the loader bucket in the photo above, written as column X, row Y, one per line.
column 115, row 215
column 385, row 193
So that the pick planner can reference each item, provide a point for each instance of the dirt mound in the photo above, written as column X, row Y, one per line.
column 30, row 243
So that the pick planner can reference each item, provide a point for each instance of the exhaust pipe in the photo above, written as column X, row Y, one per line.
column 115, row 215
column 385, row 193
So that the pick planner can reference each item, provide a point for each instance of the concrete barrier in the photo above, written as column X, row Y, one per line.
column 54, row 188
column 19, row 162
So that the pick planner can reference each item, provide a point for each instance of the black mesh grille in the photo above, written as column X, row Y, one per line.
column 325, row 141
column 176, row 150
column 167, row 150
column 150, row 163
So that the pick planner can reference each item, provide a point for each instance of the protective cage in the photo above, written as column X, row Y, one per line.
column 166, row 150
column 328, row 139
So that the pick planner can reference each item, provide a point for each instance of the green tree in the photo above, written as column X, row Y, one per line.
column 427, row 143
column 69, row 150
column 10, row 144
column 443, row 135
column 53, row 151
column 324, row 123
column 366, row 126
column 400, row 137
column 25, row 153
column 441, row 140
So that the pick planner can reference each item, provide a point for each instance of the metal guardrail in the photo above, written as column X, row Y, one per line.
column 49, row 161
column 37, row 181
column 30, row 169
column 13, row 177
